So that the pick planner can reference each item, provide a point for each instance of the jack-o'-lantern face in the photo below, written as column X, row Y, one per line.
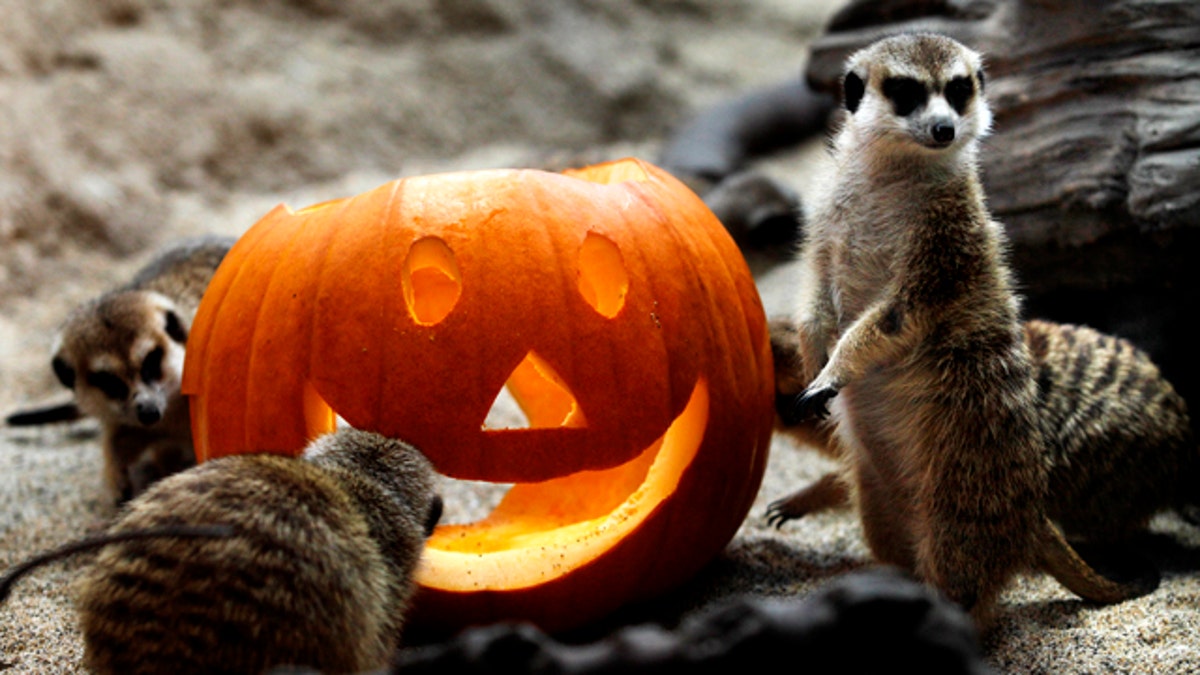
column 610, row 303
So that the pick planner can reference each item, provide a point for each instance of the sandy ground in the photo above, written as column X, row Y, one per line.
column 125, row 124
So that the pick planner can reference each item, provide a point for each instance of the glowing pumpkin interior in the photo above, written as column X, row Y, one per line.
column 566, row 522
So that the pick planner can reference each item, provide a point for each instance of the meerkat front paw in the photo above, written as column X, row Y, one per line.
column 813, row 403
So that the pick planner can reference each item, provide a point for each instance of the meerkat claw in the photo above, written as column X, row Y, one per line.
column 813, row 403
column 777, row 514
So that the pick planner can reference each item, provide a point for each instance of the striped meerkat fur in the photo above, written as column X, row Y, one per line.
column 1118, row 436
column 317, row 571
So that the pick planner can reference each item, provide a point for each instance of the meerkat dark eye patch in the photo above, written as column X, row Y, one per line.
column 64, row 373
column 175, row 328
column 905, row 93
column 959, row 92
column 110, row 385
column 853, row 90
column 152, row 366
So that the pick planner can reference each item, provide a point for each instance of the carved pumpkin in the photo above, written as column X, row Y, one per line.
column 609, row 300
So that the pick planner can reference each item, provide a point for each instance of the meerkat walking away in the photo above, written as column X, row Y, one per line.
column 313, row 567
column 1119, row 442
column 910, row 327
column 122, row 356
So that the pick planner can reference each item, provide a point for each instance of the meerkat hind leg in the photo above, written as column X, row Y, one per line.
column 961, row 560
column 160, row 459
column 116, row 475
column 827, row 492
column 885, row 519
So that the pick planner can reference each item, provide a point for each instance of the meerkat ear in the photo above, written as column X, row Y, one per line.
column 175, row 328
column 853, row 88
column 979, row 76
column 65, row 373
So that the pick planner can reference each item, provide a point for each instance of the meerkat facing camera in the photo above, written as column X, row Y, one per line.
column 122, row 356
column 909, row 329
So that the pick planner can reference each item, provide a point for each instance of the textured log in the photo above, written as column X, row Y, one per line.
column 710, row 152
column 719, row 141
column 1094, row 166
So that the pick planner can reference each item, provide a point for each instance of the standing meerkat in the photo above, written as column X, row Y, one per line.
column 248, row 562
column 910, row 329
column 122, row 356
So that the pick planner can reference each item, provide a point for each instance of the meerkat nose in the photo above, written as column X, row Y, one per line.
column 148, row 413
column 943, row 131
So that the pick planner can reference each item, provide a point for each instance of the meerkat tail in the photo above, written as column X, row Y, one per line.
column 63, row 412
column 12, row 576
column 1057, row 557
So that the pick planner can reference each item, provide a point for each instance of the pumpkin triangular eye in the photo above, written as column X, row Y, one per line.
column 534, row 397
column 603, row 279
column 431, row 280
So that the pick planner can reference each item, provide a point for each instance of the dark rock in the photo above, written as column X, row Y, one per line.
column 760, row 212
column 872, row 621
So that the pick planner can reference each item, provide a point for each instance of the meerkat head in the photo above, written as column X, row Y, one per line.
column 394, row 485
column 916, row 92
column 401, row 471
column 122, row 355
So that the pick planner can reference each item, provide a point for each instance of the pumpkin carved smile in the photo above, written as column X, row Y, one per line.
column 609, row 302
column 564, row 522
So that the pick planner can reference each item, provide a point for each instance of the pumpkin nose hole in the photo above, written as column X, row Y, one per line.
column 603, row 279
column 319, row 417
column 431, row 281
column 534, row 397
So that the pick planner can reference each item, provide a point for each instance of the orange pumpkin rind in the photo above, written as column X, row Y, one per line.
column 609, row 300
